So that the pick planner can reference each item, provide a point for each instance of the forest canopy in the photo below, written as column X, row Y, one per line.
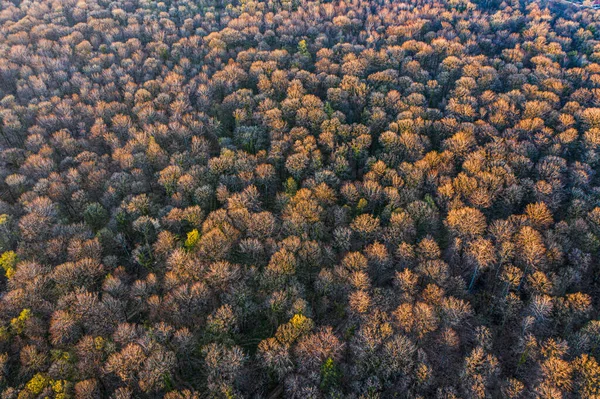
column 300, row 199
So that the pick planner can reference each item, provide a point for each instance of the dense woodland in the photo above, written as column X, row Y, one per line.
column 299, row 199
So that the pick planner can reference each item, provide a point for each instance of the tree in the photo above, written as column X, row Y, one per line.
column 466, row 223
